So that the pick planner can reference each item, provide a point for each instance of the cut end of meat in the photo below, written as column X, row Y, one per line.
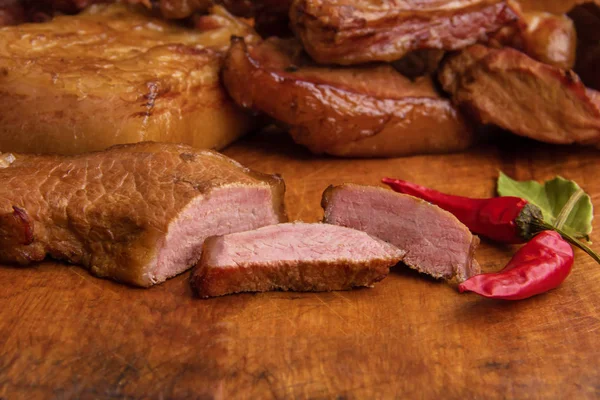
column 436, row 243
column 509, row 89
column 226, row 209
column 139, row 213
column 295, row 257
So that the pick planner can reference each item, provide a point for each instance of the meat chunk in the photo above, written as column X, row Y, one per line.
column 436, row 243
column 507, row 88
column 112, row 75
column 134, row 213
column 361, row 112
column 298, row 257
column 350, row 32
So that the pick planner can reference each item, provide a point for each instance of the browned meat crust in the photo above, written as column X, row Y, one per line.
column 135, row 213
column 350, row 32
column 113, row 75
column 507, row 88
column 370, row 111
column 297, row 257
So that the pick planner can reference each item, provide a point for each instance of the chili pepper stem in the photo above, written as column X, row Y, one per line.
column 544, row 226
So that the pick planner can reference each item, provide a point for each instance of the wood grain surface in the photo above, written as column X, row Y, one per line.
column 67, row 335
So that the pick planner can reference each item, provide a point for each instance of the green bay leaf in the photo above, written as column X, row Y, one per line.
column 551, row 197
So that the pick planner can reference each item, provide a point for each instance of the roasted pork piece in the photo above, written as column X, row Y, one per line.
column 133, row 213
column 297, row 257
column 370, row 111
column 436, row 243
column 351, row 32
column 507, row 88
column 112, row 75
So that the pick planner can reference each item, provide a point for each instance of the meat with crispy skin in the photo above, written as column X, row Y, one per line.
column 436, row 243
column 507, row 88
column 113, row 75
column 368, row 111
column 134, row 213
column 351, row 32
column 297, row 257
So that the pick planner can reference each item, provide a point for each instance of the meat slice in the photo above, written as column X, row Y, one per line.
column 362, row 112
column 115, row 75
column 436, row 243
column 507, row 88
column 350, row 32
column 134, row 213
column 298, row 257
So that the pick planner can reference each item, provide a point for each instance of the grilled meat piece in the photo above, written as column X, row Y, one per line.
column 436, row 243
column 507, row 88
column 370, row 111
column 133, row 213
column 112, row 75
column 298, row 257
column 351, row 32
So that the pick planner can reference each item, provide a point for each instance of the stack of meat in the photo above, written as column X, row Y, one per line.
column 386, row 78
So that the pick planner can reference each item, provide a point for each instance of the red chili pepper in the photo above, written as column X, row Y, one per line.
column 502, row 219
column 541, row 265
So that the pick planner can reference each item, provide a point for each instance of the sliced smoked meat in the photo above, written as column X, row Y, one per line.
column 297, row 257
column 351, row 32
column 369, row 111
column 436, row 243
column 507, row 88
column 134, row 213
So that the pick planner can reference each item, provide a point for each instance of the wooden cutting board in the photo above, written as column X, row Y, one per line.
column 65, row 334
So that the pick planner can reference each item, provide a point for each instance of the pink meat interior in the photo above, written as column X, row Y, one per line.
column 298, row 242
column 434, row 240
column 224, row 210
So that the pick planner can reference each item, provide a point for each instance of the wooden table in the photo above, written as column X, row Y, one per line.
column 65, row 334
